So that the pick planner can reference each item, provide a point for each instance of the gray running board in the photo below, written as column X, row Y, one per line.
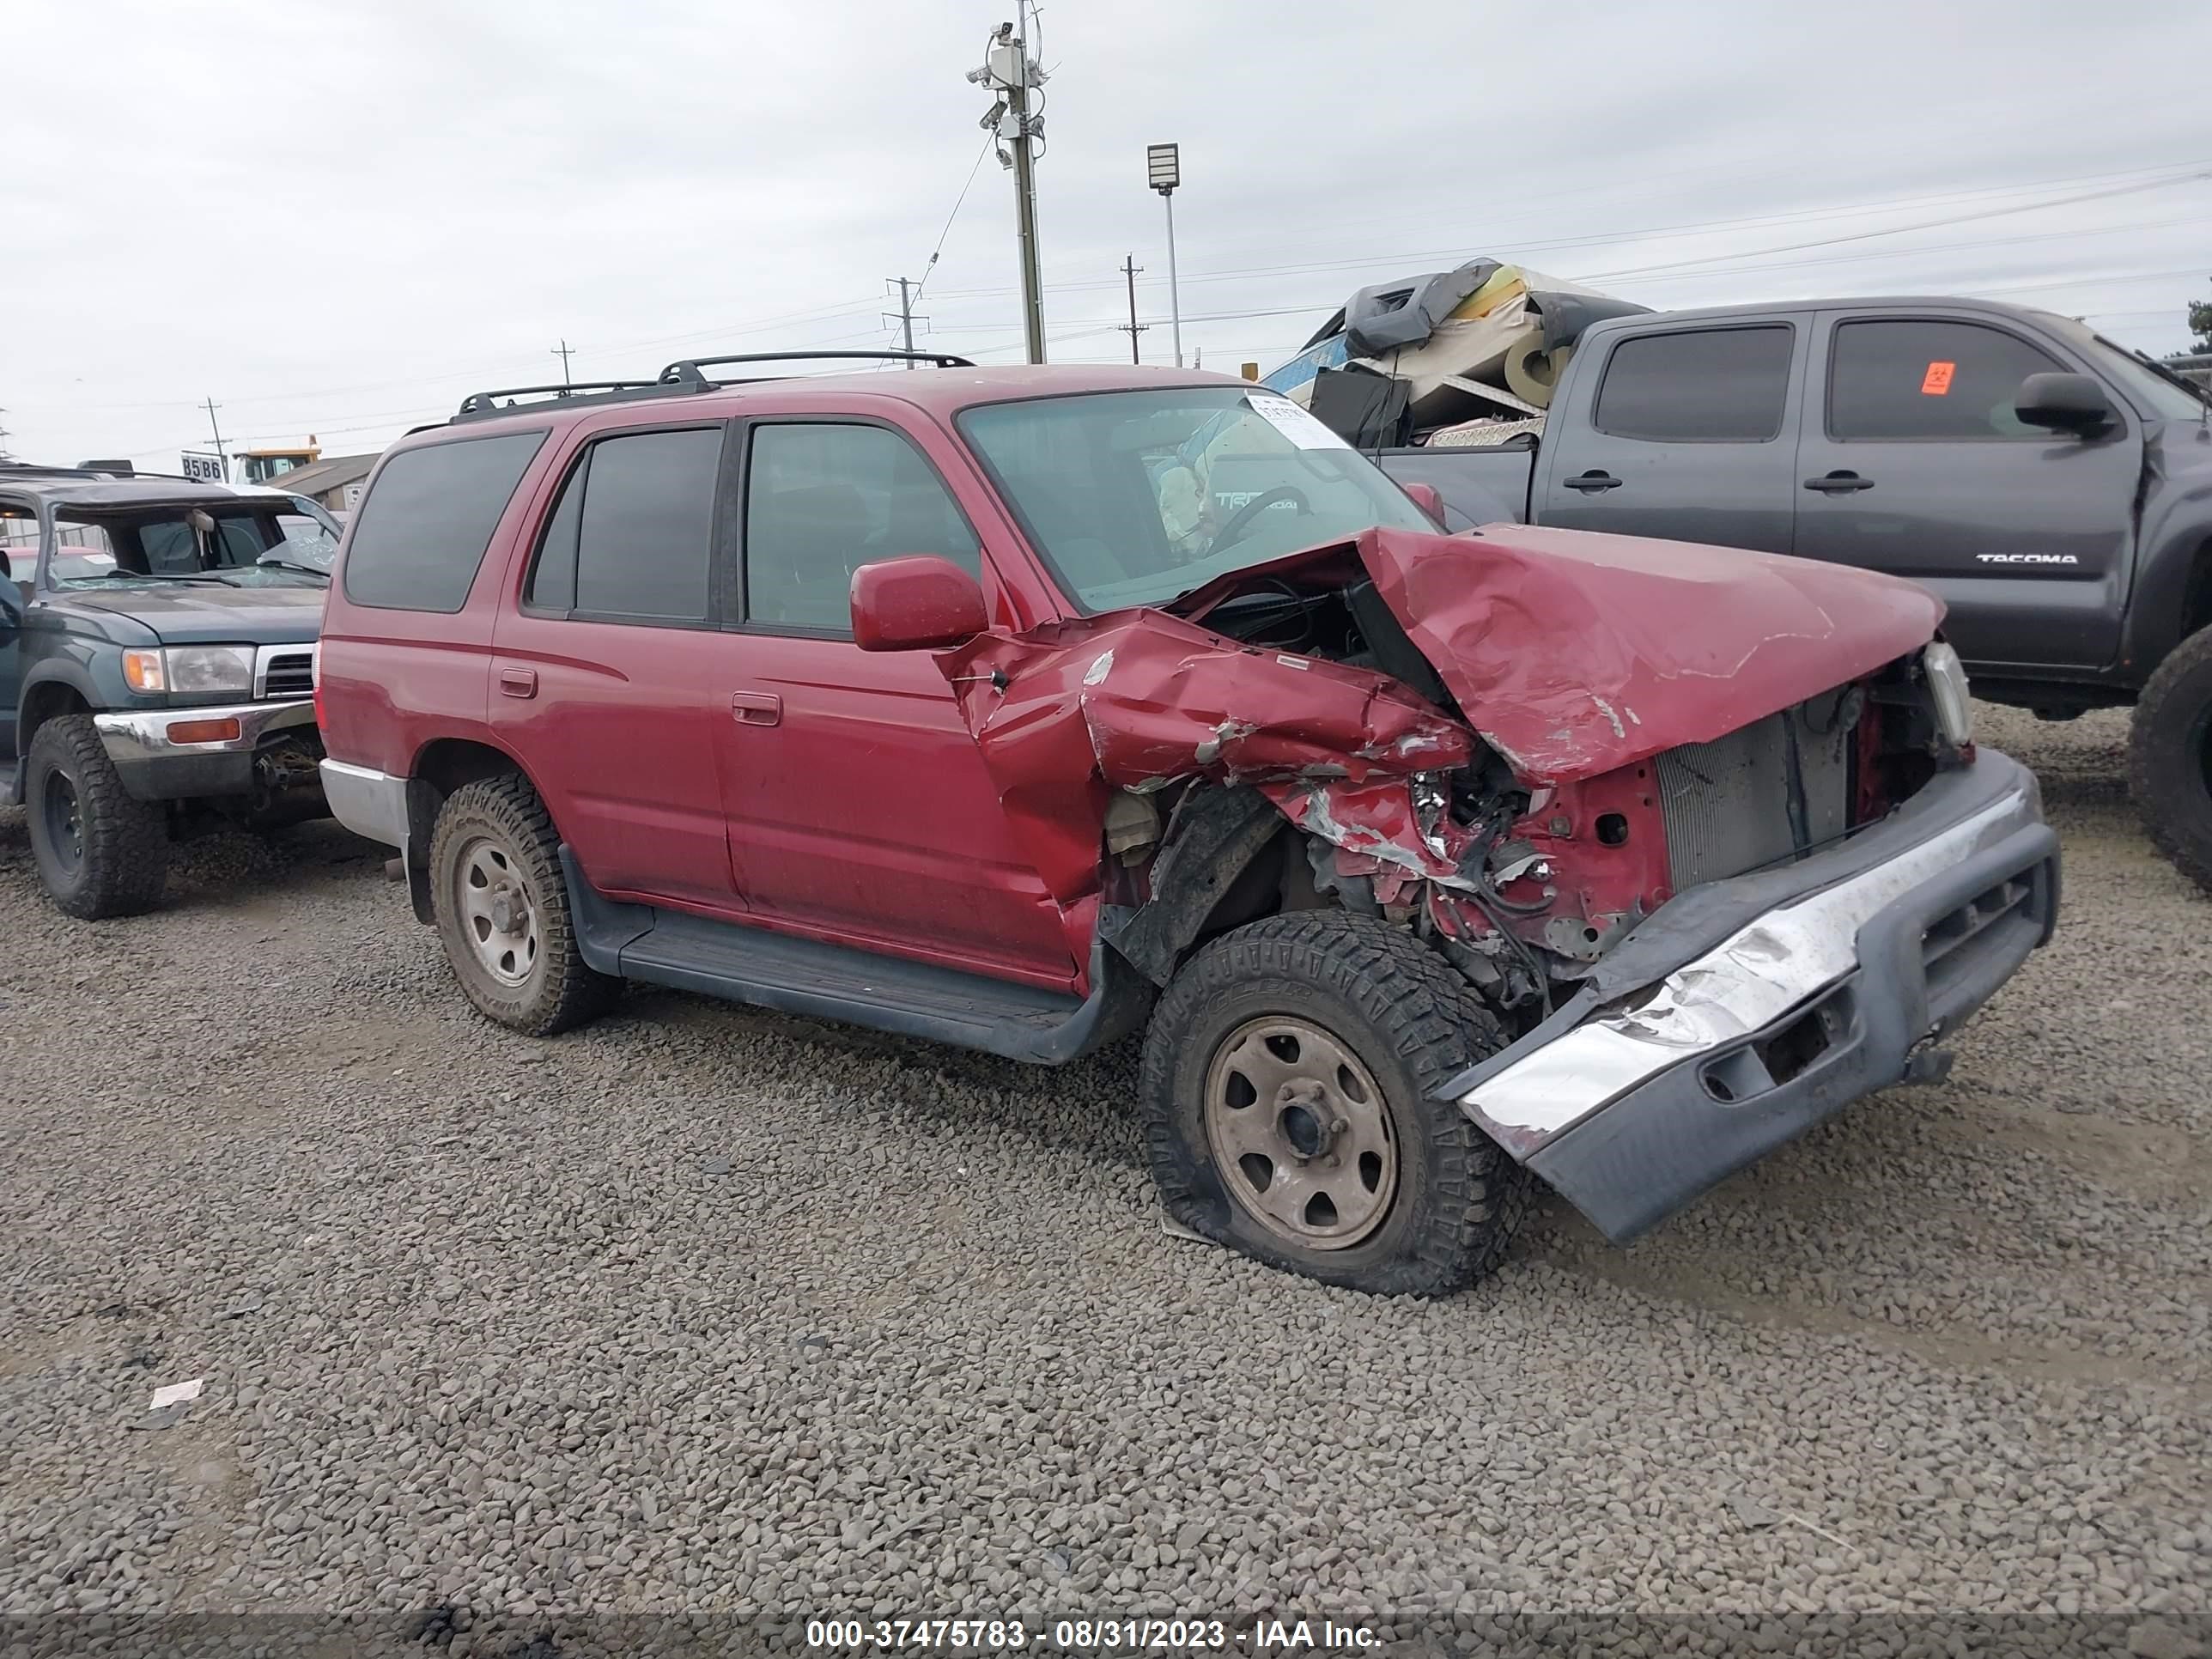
column 860, row 988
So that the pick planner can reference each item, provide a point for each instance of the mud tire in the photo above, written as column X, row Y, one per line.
column 2170, row 758
column 1413, row 1023
column 105, row 853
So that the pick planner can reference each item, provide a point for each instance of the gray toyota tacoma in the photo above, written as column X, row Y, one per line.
column 157, row 670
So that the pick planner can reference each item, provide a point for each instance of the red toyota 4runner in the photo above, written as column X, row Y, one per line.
column 1023, row 709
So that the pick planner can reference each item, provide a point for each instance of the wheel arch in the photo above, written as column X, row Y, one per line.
column 440, row 766
column 48, row 693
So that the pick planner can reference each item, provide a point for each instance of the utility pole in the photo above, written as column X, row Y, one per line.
column 224, row 460
column 562, row 352
column 1132, row 328
column 1164, row 170
column 4, row 435
column 1009, row 73
column 907, row 287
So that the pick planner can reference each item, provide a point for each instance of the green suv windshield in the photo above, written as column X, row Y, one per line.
column 277, row 543
column 1136, row 497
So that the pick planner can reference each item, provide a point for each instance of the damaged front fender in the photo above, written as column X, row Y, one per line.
column 1138, row 699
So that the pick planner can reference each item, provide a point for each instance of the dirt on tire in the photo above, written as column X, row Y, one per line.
column 2170, row 758
column 1414, row 1024
column 562, row 991
column 125, row 863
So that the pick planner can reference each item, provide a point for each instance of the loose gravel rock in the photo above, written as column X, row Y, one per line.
column 704, row 1311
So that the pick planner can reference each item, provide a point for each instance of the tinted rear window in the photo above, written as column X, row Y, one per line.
column 422, row 530
column 1710, row 386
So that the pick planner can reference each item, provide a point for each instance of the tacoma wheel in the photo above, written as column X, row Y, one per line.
column 1290, row 1101
column 99, row 850
column 502, row 911
column 2170, row 758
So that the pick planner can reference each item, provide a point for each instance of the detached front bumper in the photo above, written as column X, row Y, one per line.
column 1747, row 1011
column 157, row 762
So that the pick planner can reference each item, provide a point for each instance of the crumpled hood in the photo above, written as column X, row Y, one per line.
column 195, row 613
column 1574, row 652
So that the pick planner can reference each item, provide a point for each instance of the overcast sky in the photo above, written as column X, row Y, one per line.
column 337, row 216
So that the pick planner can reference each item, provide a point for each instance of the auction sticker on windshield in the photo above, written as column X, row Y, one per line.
column 1300, row 426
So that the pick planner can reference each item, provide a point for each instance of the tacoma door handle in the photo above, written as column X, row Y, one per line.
column 1838, row 484
column 1591, row 482
column 518, row 682
column 756, row 709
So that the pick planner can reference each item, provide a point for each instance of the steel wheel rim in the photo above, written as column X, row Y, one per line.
column 498, row 911
column 64, row 819
column 1299, row 1133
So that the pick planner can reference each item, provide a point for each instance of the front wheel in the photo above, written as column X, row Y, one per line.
column 2170, row 758
column 502, row 911
column 1290, row 1098
column 100, row 851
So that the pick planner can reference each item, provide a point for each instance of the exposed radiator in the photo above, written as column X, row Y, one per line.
column 1728, row 804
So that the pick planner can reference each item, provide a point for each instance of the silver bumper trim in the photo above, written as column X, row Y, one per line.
column 370, row 803
column 141, row 734
column 1785, row 957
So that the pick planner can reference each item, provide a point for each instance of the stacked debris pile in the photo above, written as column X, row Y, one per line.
column 1456, row 357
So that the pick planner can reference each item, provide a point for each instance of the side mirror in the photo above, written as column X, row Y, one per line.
column 1429, row 498
column 2063, row 402
column 919, row 604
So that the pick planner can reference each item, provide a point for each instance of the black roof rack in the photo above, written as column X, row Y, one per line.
column 681, row 378
column 686, row 369
column 481, row 405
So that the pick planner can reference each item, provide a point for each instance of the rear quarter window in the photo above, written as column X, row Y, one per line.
column 422, row 530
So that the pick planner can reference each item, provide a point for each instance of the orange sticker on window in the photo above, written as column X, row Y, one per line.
column 1937, row 380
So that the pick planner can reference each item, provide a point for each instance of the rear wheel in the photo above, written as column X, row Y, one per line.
column 100, row 851
column 502, row 911
column 1290, row 1086
column 2170, row 758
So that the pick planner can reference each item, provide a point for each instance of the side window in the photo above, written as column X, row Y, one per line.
column 644, row 527
column 552, row 583
column 1929, row 380
column 821, row 500
column 422, row 532
column 19, row 541
column 1706, row 385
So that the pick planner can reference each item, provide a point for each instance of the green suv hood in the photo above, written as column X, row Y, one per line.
column 191, row 613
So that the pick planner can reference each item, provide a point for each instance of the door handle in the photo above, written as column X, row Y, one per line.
column 1592, row 481
column 518, row 682
column 757, row 708
column 1838, row 484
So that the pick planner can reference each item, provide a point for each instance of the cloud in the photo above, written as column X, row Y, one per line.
column 338, row 218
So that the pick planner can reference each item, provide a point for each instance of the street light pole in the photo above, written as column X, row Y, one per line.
column 1163, row 168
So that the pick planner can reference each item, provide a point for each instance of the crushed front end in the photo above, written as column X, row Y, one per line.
column 1705, row 830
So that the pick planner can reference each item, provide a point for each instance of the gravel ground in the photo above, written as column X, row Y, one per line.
column 709, row 1311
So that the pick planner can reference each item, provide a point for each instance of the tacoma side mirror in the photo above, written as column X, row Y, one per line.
column 919, row 604
column 1429, row 498
column 2065, row 402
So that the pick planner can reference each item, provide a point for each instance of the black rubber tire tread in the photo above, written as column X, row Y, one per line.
column 1416, row 1025
column 2165, row 757
column 566, row 992
column 126, row 840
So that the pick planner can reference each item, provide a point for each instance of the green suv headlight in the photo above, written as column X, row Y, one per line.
column 192, row 670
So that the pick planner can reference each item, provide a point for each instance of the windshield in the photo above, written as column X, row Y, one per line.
column 1135, row 498
column 280, row 542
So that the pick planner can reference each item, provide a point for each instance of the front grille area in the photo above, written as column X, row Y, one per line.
column 1762, row 795
column 291, row 675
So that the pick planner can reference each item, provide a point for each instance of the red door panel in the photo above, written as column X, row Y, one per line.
column 863, row 810
column 618, row 722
